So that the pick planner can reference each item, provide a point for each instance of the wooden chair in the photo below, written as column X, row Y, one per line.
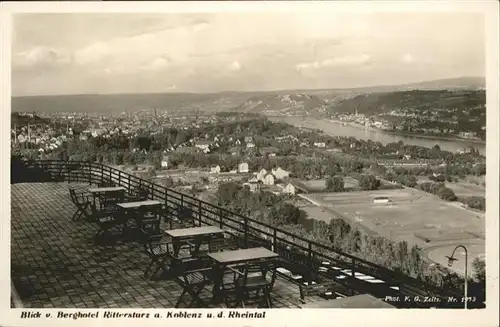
column 141, row 193
column 156, row 249
column 193, row 276
column 184, row 219
column 107, row 222
column 255, row 278
column 82, row 202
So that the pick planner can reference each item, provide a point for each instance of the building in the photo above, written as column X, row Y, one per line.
column 253, row 184
column 268, row 179
column 215, row 169
column 381, row 200
column 289, row 189
column 243, row 167
column 261, row 174
column 250, row 145
column 203, row 145
column 164, row 162
column 319, row 144
column 280, row 173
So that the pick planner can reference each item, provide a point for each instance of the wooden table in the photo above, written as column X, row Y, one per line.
column 138, row 204
column 363, row 301
column 95, row 190
column 106, row 192
column 183, row 234
column 225, row 258
column 242, row 255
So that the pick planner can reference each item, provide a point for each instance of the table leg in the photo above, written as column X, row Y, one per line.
column 218, row 295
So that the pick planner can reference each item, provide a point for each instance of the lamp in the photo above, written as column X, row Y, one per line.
column 452, row 259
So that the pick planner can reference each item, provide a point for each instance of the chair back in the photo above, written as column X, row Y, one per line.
column 113, row 198
column 260, row 268
column 72, row 194
column 149, row 217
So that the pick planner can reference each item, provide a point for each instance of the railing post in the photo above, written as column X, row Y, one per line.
column 119, row 178
column 309, row 255
column 129, row 186
column 90, row 173
column 353, row 268
column 246, row 232
column 275, row 239
column 102, row 174
column 167, row 211
column 221, row 215
column 199, row 213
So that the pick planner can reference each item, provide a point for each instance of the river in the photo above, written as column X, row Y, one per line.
column 340, row 129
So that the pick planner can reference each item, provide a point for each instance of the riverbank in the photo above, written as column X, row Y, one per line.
column 409, row 134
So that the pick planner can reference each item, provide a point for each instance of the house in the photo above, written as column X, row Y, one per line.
column 215, row 169
column 243, row 167
column 270, row 151
column 268, row 179
column 407, row 156
column 319, row 144
column 280, row 173
column 237, row 142
column 203, row 145
column 253, row 184
column 261, row 174
column 164, row 162
column 289, row 189
column 250, row 145
column 234, row 151
column 381, row 199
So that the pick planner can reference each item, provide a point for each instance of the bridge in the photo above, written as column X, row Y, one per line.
column 350, row 275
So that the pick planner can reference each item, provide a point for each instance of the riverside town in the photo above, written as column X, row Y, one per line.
column 170, row 161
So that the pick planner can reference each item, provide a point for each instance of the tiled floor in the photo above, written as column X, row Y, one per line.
column 55, row 263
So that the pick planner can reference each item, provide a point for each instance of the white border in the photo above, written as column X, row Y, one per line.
column 285, row 317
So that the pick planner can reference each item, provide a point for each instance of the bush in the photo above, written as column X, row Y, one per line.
column 369, row 182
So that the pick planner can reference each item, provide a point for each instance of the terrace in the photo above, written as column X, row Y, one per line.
column 56, row 263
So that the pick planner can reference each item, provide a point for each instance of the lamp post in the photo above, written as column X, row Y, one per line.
column 452, row 259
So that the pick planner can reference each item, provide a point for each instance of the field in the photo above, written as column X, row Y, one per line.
column 318, row 185
column 413, row 216
column 461, row 188
column 466, row 189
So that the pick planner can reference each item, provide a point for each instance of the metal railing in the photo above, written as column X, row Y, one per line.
column 291, row 247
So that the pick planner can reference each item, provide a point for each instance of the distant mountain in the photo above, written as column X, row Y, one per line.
column 282, row 100
column 373, row 103
column 22, row 120
column 282, row 103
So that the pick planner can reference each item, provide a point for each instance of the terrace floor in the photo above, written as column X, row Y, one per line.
column 55, row 263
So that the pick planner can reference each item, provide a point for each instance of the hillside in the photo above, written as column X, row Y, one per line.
column 122, row 102
column 283, row 103
column 21, row 120
column 281, row 100
column 374, row 103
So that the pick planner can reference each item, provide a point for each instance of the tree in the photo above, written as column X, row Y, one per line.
column 369, row 182
column 446, row 194
column 334, row 184
column 479, row 267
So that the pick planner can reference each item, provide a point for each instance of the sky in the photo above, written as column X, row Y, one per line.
column 83, row 53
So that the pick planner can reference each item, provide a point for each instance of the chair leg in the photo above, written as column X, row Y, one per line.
column 180, row 298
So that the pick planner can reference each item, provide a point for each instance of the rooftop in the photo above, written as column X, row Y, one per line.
column 55, row 262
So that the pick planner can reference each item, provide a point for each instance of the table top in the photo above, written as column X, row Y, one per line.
column 194, row 231
column 106, row 189
column 242, row 255
column 361, row 301
column 138, row 204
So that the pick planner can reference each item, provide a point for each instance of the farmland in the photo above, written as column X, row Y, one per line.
column 413, row 216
